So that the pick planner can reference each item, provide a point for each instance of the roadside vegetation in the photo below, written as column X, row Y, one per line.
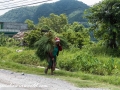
column 27, row 62
column 90, row 56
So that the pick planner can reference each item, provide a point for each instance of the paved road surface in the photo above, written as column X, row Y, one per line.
column 17, row 81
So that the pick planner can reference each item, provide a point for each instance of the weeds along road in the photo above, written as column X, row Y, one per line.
column 17, row 81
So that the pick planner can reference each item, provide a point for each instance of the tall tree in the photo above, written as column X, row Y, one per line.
column 105, row 19
column 76, row 34
column 30, row 24
column 55, row 22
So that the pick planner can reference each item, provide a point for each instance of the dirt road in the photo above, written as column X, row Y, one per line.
column 18, row 81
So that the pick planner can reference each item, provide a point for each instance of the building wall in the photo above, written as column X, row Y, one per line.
column 17, row 26
column 11, row 28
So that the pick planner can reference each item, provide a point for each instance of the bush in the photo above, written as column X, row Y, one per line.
column 98, row 49
column 86, row 62
column 4, row 51
column 25, row 57
column 67, row 64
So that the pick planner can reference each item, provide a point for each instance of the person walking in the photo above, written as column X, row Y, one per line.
column 52, row 56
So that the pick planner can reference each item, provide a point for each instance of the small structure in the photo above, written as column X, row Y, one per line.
column 11, row 28
column 19, row 36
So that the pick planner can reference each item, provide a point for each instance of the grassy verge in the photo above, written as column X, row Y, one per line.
column 79, row 79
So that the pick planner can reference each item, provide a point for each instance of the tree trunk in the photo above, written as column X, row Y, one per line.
column 112, row 42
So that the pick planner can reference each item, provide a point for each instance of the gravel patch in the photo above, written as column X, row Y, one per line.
column 19, row 81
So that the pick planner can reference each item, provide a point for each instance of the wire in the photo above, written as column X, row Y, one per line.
column 24, row 5
column 25, row 2
column 35, row 3
column 6, row 1
column 14, row 3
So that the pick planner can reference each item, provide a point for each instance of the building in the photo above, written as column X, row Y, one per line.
column 12, row 28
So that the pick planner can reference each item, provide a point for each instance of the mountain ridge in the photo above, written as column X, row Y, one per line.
column 72, row 8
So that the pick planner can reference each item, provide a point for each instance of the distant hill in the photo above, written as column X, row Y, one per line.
column 72, row 8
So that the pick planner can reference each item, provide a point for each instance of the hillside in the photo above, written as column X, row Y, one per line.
column 72, row 8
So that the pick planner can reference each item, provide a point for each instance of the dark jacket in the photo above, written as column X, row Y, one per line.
column 59, row 49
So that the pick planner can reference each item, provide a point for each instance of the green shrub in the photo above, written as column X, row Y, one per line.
column 67, row 64
column 4, row 51
column 25, row 57
column 100, row 49
column 86, row 62
column 70, row 60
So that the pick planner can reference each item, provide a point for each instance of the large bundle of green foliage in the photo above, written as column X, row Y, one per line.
column 46, row 44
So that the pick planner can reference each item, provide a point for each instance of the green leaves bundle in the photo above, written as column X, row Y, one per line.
column 64, row 43
column 44, row 45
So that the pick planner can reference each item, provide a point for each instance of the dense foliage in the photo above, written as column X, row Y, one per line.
column 7, row 41
column 54, row 22
column 75, row 34
column 31, row 37
column 44, row 45
column 105, row 21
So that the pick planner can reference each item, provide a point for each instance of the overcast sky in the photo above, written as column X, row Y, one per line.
column 13, row 3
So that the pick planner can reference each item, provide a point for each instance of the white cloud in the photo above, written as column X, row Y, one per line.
column 90, row 2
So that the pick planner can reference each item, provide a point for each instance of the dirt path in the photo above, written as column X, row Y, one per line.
column 17, row 81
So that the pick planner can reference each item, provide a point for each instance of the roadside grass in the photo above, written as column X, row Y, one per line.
column 27, row 62
column 78, row 79
column 19, row 67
